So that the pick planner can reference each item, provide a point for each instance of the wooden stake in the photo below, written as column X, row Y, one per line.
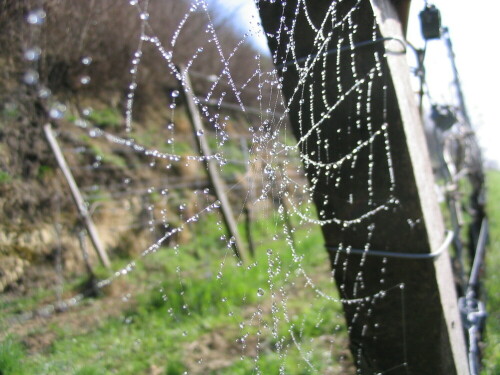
column 288, row 221
column 85, row 254
column 286, row 209
column 247, row 210
column 211, row 165
column 77, row 197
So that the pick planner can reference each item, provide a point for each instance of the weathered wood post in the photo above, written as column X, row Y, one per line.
column 355, row 87
column 249, row 201
column 211, row 165
column 286, row 209
column 77, row 197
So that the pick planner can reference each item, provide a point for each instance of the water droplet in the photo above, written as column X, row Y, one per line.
column 44, row 93
column 260, row 292
column 57, row 111
column 175, row 93
column 85, row 80
column 31, row 77
column 144, row 16
column 32, row 54
column 86, row 60
column 36, row 17
column 199, row 133
column 87, row 111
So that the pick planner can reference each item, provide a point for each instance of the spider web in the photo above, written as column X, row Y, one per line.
column 289, row 314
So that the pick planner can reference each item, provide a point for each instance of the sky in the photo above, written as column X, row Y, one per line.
column 473, row 29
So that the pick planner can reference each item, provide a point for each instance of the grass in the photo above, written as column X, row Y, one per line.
column 188, row 295
column 107, row 118
column 108, row 157
column 5, row 177
column 492, row 352
column 9, row 111
column 10, row 352
column 45, row 171
column 194, row 302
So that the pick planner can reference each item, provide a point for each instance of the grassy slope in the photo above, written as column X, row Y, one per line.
column 162, row 325
column 153, row 331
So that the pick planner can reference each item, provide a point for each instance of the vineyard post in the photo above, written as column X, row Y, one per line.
column 211, row 164
column 249, row 201
column 407, row 320
column 85, row 256
column 77, row 197
column 286, row 209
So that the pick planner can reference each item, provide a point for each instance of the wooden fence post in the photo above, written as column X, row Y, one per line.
column 286, row 209
column 77, row 197
column 211, row 165
column 415, row 328
column 247, row 209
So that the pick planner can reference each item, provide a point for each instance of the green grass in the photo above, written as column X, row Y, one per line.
column 45, row 171
column 10, row 353
column 107, row 118
column 5, row 177
column 189, row 293
column 492, row 351
column 9, row 111
column 108, row 157
column 34, row 299
column 179, row 300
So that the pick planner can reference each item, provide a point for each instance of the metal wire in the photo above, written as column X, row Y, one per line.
column 391, row 254
column 356, row 46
